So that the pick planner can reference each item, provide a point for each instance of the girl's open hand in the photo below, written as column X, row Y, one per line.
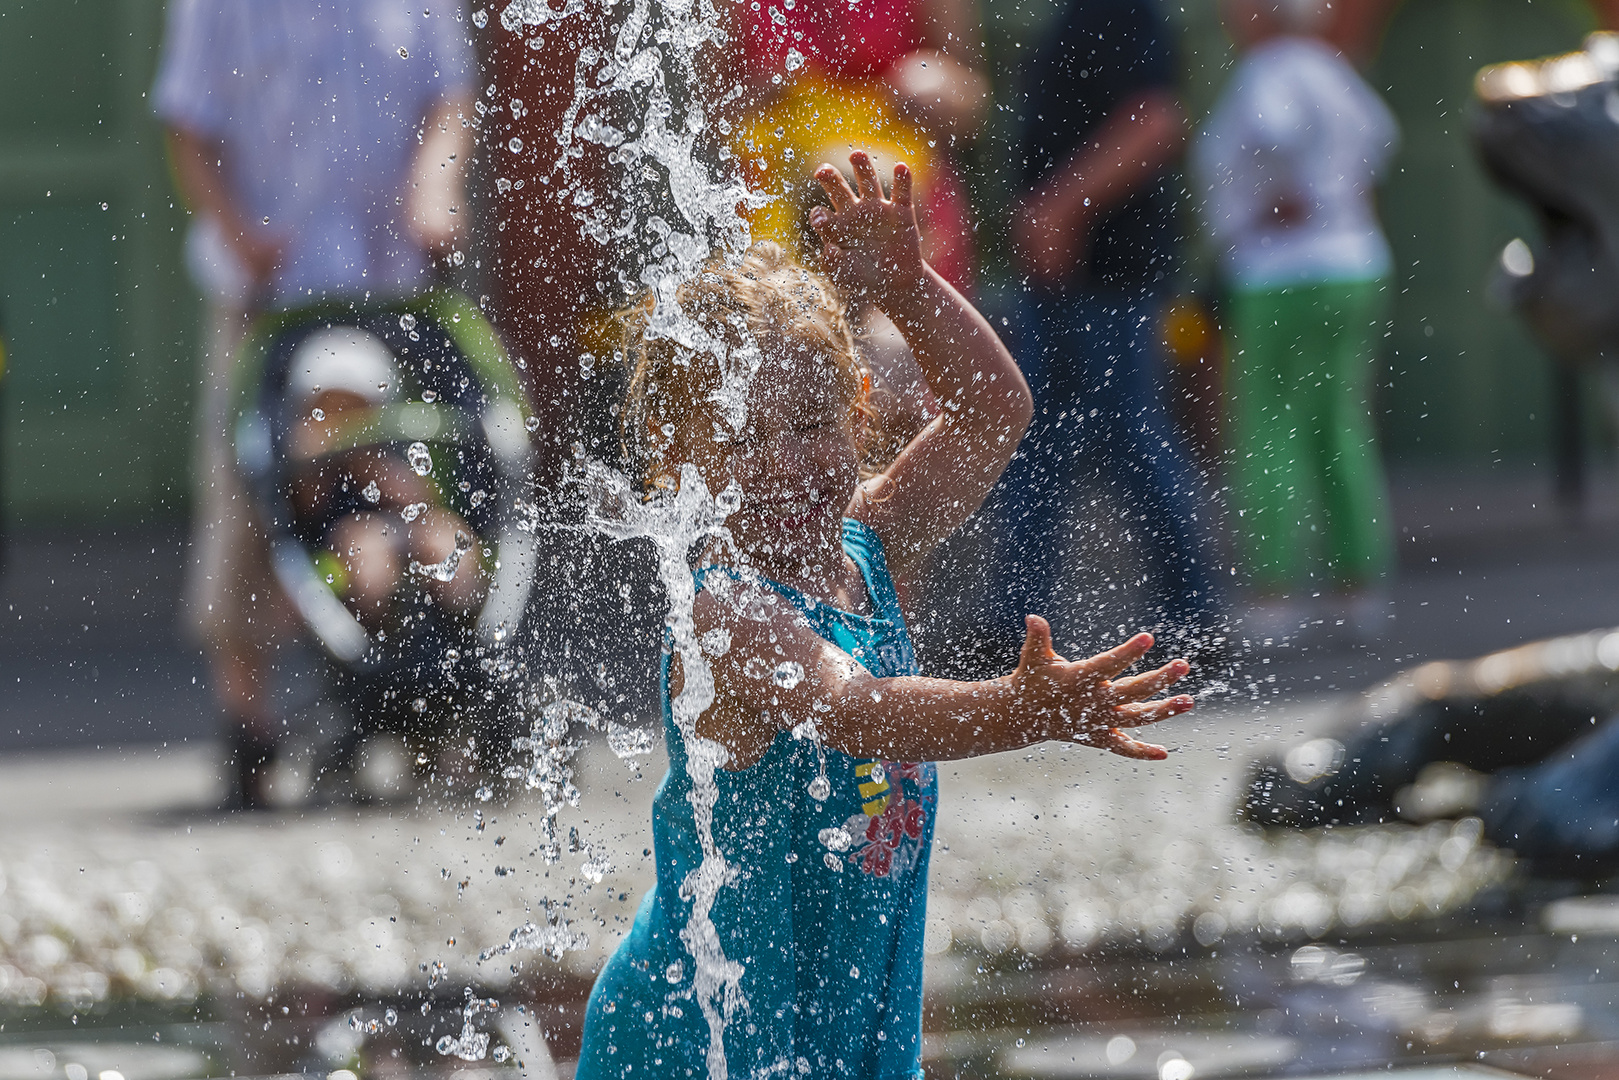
column 1083, row 701
column 870, row 243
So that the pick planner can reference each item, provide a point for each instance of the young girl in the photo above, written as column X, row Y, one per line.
column 827, row 838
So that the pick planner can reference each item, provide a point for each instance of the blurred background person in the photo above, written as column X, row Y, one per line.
column 899, row 78
column 1287, row 162
column 319, row 145
column 1095, row 236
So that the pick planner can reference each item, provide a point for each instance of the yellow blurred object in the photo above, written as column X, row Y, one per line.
column 815, row 120
column 1188, row 330
column 331, row 568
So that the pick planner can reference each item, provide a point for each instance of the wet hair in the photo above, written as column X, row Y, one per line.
column 768, row 297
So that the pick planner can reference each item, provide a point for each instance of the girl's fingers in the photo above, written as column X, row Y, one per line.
column 865, row 174
column 1036, row 642
column 902, row 185
column 1117, row 742
column 1141, row 713
column 1108, row 664
column 1151, row 683
column 835, row 186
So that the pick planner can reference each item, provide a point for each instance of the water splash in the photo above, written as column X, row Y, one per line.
column 445, row 571
column 471, row 1044
column 551, row 746
column 555, row 939
column 640, row 99
column 675, row 522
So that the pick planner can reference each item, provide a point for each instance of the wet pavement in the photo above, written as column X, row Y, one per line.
column 1089, row 917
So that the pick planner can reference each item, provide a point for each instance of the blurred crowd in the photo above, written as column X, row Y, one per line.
column 340, row 152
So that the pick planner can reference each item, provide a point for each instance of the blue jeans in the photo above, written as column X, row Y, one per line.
column 1094, row 362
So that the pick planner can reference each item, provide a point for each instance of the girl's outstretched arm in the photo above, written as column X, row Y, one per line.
column 776, row 674
column 872, row 248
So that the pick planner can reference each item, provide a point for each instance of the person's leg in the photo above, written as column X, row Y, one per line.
column 1264, row 449
column 227, row 589
column 1359, row 530
column 1132, row 445
column 1028, row 498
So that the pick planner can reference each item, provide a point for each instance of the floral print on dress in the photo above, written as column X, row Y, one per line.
column 888, row 832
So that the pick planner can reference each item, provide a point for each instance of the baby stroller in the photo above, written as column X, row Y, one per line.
column 385, row 446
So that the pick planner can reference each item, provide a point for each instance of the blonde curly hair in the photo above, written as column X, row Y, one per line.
column 767, row 296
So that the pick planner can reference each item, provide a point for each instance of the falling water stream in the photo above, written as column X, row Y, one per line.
column 641, row 100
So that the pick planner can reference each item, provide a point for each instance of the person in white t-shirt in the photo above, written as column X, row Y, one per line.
column 320, row 145
column 1287, row 162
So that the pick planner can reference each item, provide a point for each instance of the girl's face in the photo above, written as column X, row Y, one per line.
column 796, row 459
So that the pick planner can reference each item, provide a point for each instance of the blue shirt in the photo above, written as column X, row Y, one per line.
column 830, row 940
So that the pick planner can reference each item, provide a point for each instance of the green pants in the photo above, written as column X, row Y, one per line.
column 1307, row 480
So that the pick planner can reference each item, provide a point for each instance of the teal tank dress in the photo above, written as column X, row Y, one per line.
column 830, row 934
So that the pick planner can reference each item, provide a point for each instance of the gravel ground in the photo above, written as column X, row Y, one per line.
column 113, row 881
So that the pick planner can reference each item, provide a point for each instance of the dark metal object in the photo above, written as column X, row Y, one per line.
column 1548, row 132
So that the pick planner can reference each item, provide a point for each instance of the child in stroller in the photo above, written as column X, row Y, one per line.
column 385, row 446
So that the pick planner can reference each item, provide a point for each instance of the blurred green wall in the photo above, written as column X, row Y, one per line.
column 1465, row 384
column 95, row 409
column 95, row 310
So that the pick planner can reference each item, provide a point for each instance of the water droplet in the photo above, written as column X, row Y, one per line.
column 795, row 59
column 502, row 1052
column 484, row 793
column 477, row 498
column 390, row 1017
column 532, row 423
column 832, row 861
column 754, row 667
column 430, row 396
column 413, row 511
column 420, row 705
column 878, row 773
column 404, row 53
column 628, row 742
column 318, row 414
column 854, row 971
column 836, row 839
column 788, row 674
column 717, row 642
column 480, row 18
column 371, row 492
column 675, row 972
column 820, row 789
column 516, row 145
column 420, row 459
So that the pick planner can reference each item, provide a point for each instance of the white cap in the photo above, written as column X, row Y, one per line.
column 343, row 358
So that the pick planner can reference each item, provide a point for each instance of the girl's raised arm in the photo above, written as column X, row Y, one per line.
column 872, row 248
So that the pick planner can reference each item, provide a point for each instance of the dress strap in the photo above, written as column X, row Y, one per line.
column 862, row 544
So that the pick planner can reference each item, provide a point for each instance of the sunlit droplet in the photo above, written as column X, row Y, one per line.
column 420, row 460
